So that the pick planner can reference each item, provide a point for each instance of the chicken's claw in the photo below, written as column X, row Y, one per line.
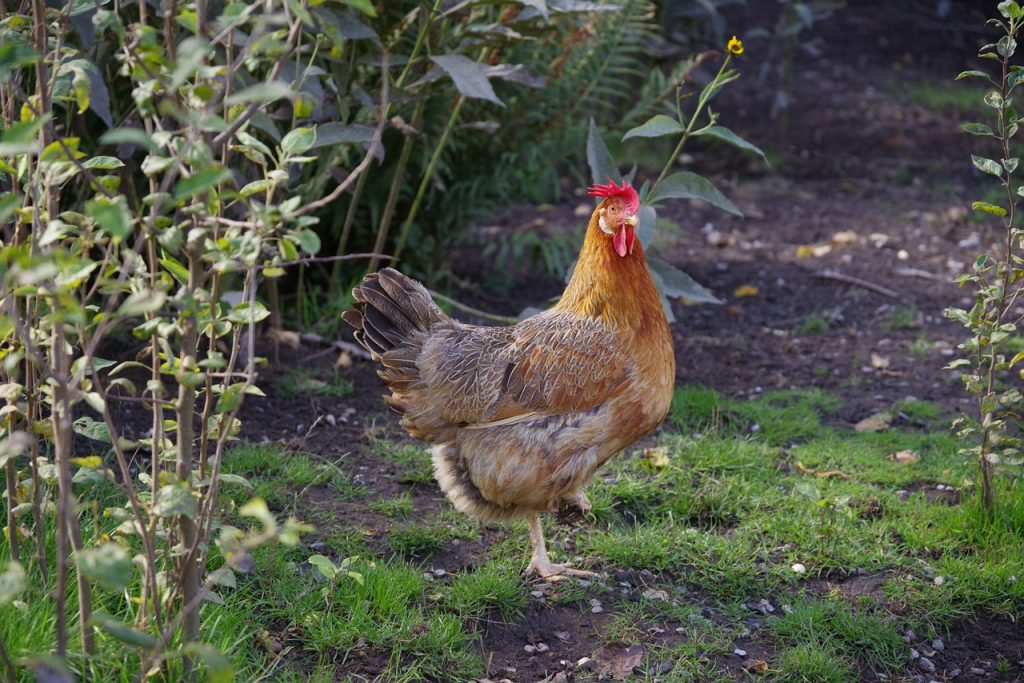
column 555, row 572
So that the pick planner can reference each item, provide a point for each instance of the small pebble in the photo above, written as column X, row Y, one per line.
column 977, row 672
column 439, row 572
column 914, row 654
column 537, row 594
column 739, row 653
column 939, row 580
column 529, row 649
column 583, row 662
column 664, row 668
column 938, row 645
column 595, row 606
column 542, row 647
column 562, row 635
column 926, row 665
column 954, row 673
column 799, row 568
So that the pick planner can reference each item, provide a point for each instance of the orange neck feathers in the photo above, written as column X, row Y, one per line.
column 617, row 289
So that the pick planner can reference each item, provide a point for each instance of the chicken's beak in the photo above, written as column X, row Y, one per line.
column 633, row 220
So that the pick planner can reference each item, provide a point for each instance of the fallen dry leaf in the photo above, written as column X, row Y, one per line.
column 879, row 362
column 821, row 474
column 657, row 456
column 284, row 338
column 745, row 291
column 344, row 360
column 805, row 251
column 905, row 457
column 841, row 239
column 874, row 423
column 616, row 659
column 756, row 665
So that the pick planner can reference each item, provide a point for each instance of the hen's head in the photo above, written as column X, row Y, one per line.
column 617, row 214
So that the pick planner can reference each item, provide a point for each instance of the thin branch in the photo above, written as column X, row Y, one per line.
column 856, row 281
column 504, row 319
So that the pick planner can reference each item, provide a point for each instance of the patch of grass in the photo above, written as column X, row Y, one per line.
column 815, row 323
column 955, row 98
column 417, row 468
column 834, row 625
column 491, row 587
column 902, row 318
column 279, row 476
column 399, row 507
column 917, row 410
column 920, row 348
column 303, row 381
column 777, row 417
column 807, row 663
column 418, row 540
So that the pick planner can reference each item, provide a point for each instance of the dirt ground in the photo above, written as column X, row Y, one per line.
column 836, row 278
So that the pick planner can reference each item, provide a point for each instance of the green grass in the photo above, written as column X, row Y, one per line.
column 815, row 323
column 751, row 487
column 304, row 381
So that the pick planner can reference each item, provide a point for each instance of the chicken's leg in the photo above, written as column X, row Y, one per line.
column 539, row 561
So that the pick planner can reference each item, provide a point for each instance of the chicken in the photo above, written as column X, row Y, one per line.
column 522, row 417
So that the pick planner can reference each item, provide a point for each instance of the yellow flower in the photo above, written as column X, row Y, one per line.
column 735, row 46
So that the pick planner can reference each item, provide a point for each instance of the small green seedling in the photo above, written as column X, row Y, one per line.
column 330, row 572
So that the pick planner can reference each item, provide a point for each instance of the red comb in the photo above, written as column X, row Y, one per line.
column 626, row 191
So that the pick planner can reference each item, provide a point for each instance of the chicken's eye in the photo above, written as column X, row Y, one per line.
column 613, row 209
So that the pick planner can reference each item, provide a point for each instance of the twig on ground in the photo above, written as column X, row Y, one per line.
column 851, row 280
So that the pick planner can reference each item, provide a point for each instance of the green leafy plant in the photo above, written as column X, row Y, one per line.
column 145, row 204
column 997, row 279
column 331, row 572
column 682, row 184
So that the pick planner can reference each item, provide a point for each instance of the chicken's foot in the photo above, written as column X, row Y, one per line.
column 539, row 561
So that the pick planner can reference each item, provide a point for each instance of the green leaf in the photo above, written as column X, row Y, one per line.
column 648, row 217
column 264, row 93
column 993, row 99
column 677, row 284
column 140, row 303
column 24, row 131
column 364, row 6
column 103, row 163
column 324, row 566
column 176, row 269
column 602, row 165
column 229, row 399
column 129, row 136
column 298, row 140
column 108, row 564
column 987, row 165
column 12, row 582
column 333, row 133
column 985, row 207
column 121, row 630
column 470, row 77
column 219, row 668
column 200, row 181
column 175, row 499
column 257, row 186
column 257, row 509
column 240, row 313
column 9, row 202
column 309, row 241
column 655, row 127
column 13, row 445
column 687, row 185
column 973, row 73
column 976, row 129
column 726, row 135
column 91, row 429
column 110, row 215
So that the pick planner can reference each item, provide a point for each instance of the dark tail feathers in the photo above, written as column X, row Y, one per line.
column 390, row 312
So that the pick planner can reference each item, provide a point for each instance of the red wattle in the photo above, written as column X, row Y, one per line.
column 619, row 241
